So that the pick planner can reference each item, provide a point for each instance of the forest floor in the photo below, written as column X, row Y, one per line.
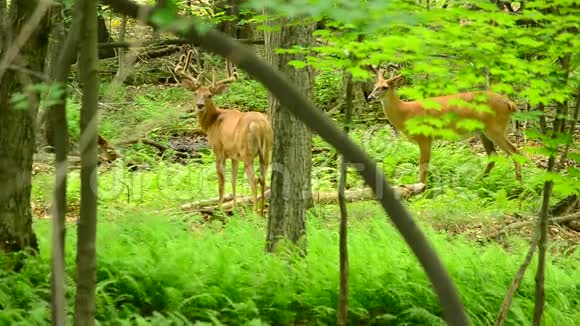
column 150, row 269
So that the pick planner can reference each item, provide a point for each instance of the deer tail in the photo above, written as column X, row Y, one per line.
column 512, row 106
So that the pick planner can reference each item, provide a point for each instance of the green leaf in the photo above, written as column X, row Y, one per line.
column 298, row 64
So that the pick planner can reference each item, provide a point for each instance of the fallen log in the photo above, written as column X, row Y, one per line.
column 209, row 206
column 157, row 145
column 127, row 45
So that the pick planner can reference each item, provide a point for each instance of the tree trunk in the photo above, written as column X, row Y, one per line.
column 56, row 40
column 87, row 227
column 121, row 51
column 359, row 92
column 17, row 136
column 292, row 149
column 3, row 12
column 230, row 8
column 104, row 36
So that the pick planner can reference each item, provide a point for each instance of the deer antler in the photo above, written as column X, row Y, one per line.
column 394, row 69
column 181, row 67
column 379, row 72
column 232, row 75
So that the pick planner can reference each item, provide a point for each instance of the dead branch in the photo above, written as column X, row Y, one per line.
column 109, row 152
column 157, row 145
column 553, row 220
column 208, row 206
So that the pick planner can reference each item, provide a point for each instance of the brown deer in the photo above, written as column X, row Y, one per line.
column 235, row 135
column 495, row 120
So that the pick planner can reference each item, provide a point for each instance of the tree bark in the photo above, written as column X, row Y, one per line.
column 121, row 51
column 46, row 126
column 17, row 134
column 342, row 316
column 104, row 36
column 292, row 149
column 3, row 11
column 57, row 118
column 87, row 226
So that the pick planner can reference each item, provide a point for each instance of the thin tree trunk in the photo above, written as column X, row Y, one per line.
column 121, row 51
column 292, row 148
column 57, row 118
column 542, row 119
column 3, row 12
column 342, row 317
column 542, row 246
column 571, row 129
column 516, row 281
column 17, row 133
column 558, row 126
column 87, row 227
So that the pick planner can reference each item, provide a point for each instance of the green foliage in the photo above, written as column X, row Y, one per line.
column 245, row 95
column 446, row 48
column 327, row 88
column 151, row 268
column 50, row 95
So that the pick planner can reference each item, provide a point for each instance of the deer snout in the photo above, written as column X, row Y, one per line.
column 200, row 106
column 371, row 96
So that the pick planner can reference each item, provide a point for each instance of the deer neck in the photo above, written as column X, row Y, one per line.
column 208, row 116
column 391, row 103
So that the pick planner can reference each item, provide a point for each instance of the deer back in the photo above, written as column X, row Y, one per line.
column 239, row 135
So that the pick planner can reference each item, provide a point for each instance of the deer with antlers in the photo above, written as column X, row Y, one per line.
column 494, row 119
column 235, row 135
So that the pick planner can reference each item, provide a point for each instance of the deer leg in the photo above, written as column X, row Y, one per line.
column 234, row 178
column 509, row 148
column 424, row 158
column 263, row 171
column 489, row 147
column 249, row 169
column 220, row 165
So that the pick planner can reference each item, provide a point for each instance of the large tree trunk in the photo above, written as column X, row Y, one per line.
column 292, row 149
column 17, row 133
column 87, row 227
column 3, row 12
column 56, row 40
column 231, row 27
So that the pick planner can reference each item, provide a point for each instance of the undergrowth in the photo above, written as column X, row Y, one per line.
column 152, row 269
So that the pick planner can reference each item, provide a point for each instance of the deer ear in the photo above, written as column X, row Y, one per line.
column 397, row 80
column 215, row 90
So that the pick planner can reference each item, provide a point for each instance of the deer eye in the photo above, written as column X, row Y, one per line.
column 384, row 87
